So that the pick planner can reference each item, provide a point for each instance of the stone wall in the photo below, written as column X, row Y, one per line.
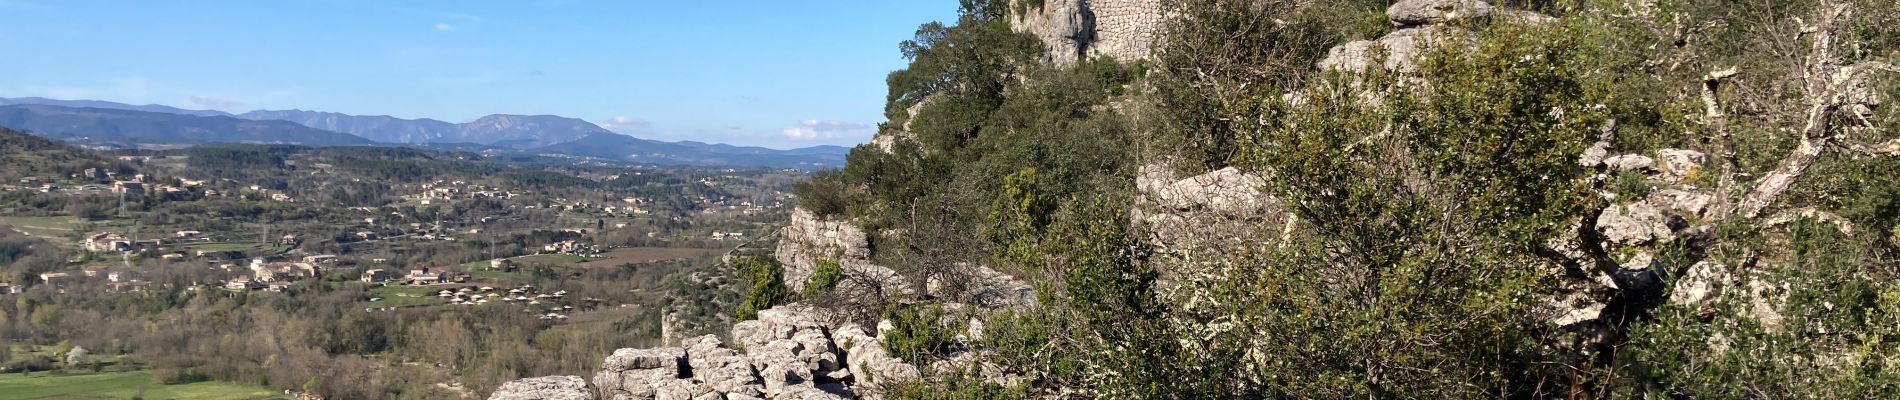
column 1076, row 29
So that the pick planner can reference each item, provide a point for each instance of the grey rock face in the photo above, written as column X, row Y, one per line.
column 1401, row 48
column 1675, row 164
column 640, row 373
column 1629, row 162
column 873, row 367
column 789, row 354
column 1203, row 212
column 1861, row 95
column 1423, row 12
column 544, row 388
column 810, row 239
column 1634, row 224
column 1072, row 30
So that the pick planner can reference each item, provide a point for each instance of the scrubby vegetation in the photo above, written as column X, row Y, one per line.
column 1427, row 200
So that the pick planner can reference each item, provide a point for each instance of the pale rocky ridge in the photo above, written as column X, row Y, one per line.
column 1193, row 222
column 791, row 352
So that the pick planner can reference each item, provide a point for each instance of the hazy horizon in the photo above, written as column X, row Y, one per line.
column 754, row 74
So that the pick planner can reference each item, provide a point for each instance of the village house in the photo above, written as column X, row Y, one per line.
column 129, row 286
column 431, row 276
column 8, row 288
column 378, row 275
column 56, row 279
column 242, row 284
column 128, row 188
column 272, row 272
column 107, row 241
column 567, row 246
column 187, row 234
column 320, row 259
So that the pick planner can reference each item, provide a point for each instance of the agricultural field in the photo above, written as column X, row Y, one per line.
column 406, row 296
column 234, row 246
column 45, row 227
column 119, row 385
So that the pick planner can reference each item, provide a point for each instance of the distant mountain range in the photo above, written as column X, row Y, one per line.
column 512, row 131
column 622, row 147
column 108, row 127
column 106, row 123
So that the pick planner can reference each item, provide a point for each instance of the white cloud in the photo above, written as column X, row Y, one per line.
column 213, row 103
column 445, row 27
column 130, row 89
column 627, row 125
column 813, row 129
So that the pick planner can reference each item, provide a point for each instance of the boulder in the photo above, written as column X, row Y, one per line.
column 638, row 374
column 874, row 368
column 1685, row 203
column 789, row 345
column 629, row 359
column 544, row 388
column 1697, row 285
column 1634, row 224
column 1401, row 47
column 1860, row 90
column 1675, row 164
column 1629, row 162
column 721, row 368
column 1408, row 13
column 1595, row 155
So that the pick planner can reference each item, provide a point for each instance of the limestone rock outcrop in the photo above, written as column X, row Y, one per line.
column 790, row 352
column 1409, row 13
column 544, row 388
column 1421, row 23
column 1217, row 212
column 1073, row 30
column 811, row 239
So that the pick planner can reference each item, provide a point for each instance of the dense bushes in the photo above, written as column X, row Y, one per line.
column 765, row 280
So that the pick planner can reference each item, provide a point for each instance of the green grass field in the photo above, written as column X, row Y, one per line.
column 234, row 246
column 549, row 259
column 405, row 296
column 46, row 227
column 118, row 385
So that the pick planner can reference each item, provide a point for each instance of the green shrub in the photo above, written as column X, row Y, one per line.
column 920, row 333
column 765, row 280
column 824, row 277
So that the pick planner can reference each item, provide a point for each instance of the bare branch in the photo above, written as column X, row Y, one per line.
column 1784, row 217
column 1823, row 98
column 1888, row 148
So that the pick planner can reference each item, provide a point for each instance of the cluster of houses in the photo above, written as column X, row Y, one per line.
column 276, row 276
column 571, row 247
column 717, row 235
column 440, row 190
column 110, row 242
column 117, row 281
column 418, row 277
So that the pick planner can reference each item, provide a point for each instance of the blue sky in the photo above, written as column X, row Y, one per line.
column 772, row 73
